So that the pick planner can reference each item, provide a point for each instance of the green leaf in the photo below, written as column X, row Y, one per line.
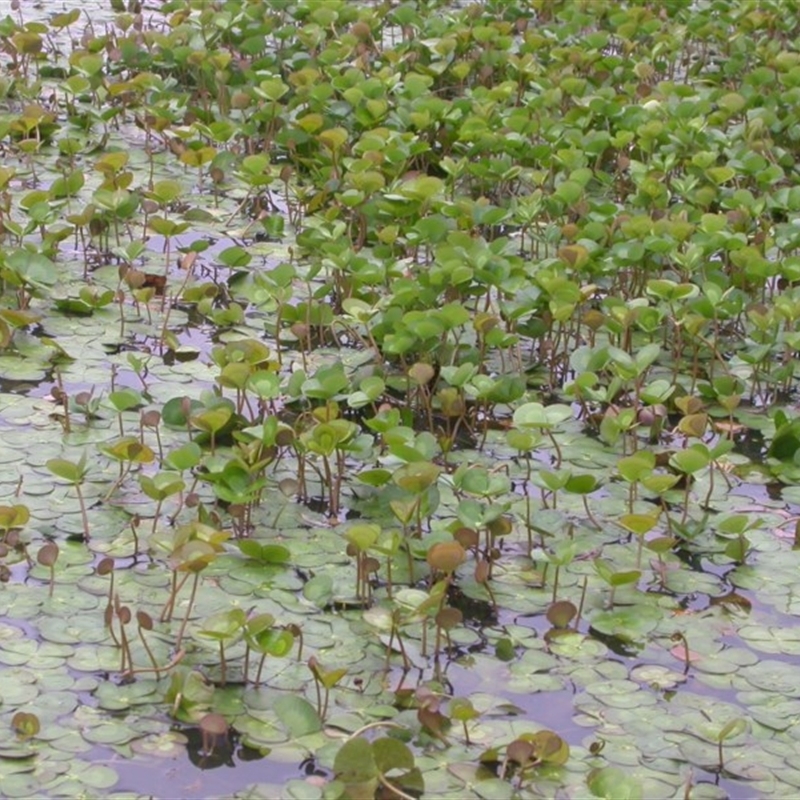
column 374, row 477
column 275, row 554
column 33, row 268
column 630, row 624
column 298, row 716
column 129, row 448
column 224, row 624
column 733, row 728
column 734, row 524
column 504, row 649
column 355, row 762
column 333, row 138
column 638, row 524
column 363, row 536
column 68, row 185
column 319, row 590
column 535, row 415
column 234, row 257
column 786, row 441
column 68, row 470
column 581, row 484
column 211, row 420
column 184, row 457
column 176, row 411
column 690, row 460
column 624, row 578
column 569, row 191
column 611, row 783
column 634, row 468
column 416, row 477
column 125, row 399
column 421, row 188
column 161, row 485
column 391, row 754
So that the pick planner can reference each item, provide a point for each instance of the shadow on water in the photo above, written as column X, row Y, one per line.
column 195, row 773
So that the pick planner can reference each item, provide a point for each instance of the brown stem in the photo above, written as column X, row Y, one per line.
column 580, row 605
column 149, row 653
column 260, row 667
column 188, row 611
column 166, row 668
column 126, row 649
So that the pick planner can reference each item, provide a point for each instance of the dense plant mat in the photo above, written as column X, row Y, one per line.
column 399, row 399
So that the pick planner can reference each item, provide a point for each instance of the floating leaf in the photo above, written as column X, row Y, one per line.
column 629, row 624
column 611, row 783
column 297, row 715
column 25, row 725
